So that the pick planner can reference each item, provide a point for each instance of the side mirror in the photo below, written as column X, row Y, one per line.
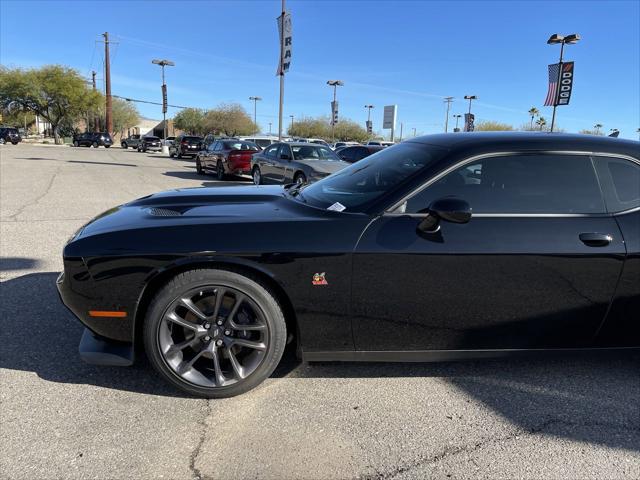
column 449, row 209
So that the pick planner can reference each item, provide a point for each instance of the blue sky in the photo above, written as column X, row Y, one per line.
column 410, row 53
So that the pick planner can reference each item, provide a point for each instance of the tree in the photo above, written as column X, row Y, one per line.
column 320, row 127
column 231, row 119
column 17, row 117
column 541, row 123
column 191, row 120
column 55, row 92
column 492, row 126
column 597, row 128
column 533, row 112
column 124, row 115
column 587, row 131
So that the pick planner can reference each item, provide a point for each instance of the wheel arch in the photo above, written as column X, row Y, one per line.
column 162, row 277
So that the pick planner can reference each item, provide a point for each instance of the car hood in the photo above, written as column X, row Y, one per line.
column 190, row 206
column 324, row 166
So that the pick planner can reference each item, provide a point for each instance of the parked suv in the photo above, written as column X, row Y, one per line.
column 131, row 142
column 92, row 139
column 150, row 143
column 10, row 135
column 185, row 145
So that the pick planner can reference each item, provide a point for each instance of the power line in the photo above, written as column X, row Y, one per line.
column 147, row 101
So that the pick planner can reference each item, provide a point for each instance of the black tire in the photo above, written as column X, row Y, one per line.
column 199, row 169
column 220, row 175
column 75, row 143
column 107, row 146
column 256, row 174
column 124, row 145
column 179, row 155
column 155, row 332
column 300, row 178
column 94, row 144
column 171, row 155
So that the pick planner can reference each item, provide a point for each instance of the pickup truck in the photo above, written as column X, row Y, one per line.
column 131, row 142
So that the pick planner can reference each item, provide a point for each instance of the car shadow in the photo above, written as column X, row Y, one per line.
column 18, row 263
column 208, row 179
column 587, row 397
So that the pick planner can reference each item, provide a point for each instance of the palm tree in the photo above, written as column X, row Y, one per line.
column 541, row 122
column 597, row 126
column 533, row 111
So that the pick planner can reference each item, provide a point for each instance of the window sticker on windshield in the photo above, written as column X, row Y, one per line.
column 337, row 207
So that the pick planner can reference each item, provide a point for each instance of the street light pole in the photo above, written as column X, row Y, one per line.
column 291, row 126
column 255, row 109
column 164, row 63
column 448, row 101
column 335, row 84
column 269, row 128
column 457, row 117
column 562, row 40
column 470, row 98
column 414, row 131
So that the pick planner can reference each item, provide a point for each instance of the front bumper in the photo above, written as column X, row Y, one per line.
column 94, row 348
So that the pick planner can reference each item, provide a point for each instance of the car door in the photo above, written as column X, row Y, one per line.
column 286, row 166
column 267, row 162
column 535, row 267
column 209, row 155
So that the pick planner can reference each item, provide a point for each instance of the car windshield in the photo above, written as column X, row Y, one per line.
column 153, row 139
column 241, row 146
column 360, row 184
column 313, row 152
column 192, row 140
column 263, row 143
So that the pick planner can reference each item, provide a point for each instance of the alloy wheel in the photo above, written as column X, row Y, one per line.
column 256, row 176
column 213, row 336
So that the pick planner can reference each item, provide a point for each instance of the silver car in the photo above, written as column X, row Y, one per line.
column 283, row 163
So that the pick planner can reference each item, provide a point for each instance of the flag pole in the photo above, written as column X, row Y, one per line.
column 555, row 101
column 281, row 71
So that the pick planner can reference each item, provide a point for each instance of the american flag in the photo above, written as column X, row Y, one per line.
column 552, row 94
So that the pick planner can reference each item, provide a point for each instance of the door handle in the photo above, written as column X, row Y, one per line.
column 595, row 239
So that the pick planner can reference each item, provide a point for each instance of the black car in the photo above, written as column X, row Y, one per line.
column 287, row 162
column 150, row 143
column 442, row 247
column 185, row 146
column 10, row 135
column 92, row 139
column 358, row 152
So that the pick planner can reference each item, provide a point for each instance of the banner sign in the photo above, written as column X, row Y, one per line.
column 566, row 83
column 164, row 99
column 468, row 122
column 389, row 117
column 285, row 44
column 334, row 113
column 560, row 84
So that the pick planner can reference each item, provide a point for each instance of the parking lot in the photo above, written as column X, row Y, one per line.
column 560, row 417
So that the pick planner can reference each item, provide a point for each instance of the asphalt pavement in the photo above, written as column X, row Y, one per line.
column 569, row 416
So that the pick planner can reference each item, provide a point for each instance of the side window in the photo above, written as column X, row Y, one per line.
column 520, row 184
column 271, row 151
column 284, row 150
column 347, row 154
column 211, row 147
column 620, row 181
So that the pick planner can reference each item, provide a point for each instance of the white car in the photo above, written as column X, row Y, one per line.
column 262, row 141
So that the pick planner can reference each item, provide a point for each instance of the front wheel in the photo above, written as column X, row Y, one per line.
column 107, row 146
column 94, row 144
column 257, row 176
column 199, row 166
column 124, row 145
column 214, row 333
column 75, row 143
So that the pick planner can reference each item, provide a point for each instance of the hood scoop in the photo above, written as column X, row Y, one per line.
column 163, row 212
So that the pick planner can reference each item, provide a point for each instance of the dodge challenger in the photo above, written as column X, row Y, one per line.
column 443, row 247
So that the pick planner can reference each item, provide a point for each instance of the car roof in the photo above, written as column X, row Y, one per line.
column 301, row 144
column 505, row 141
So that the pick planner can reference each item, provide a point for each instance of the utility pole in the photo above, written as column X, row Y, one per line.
column 96, row 120
column 269, row 128
column 255, row 101
column 448, row 101
column 107, row 78
column 401, row 126
column 291, row 126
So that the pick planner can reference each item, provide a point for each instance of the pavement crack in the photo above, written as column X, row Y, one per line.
column 37, row 200
column 470, row 448
column 193, row 458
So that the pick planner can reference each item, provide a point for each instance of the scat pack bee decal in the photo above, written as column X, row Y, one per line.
column 319, row 279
